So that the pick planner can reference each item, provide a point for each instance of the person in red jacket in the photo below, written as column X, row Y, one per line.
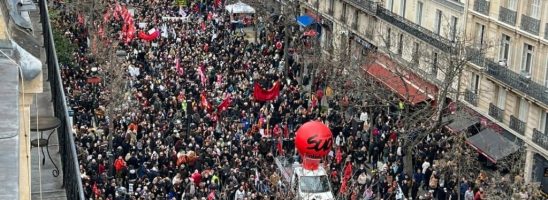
column 119, row 165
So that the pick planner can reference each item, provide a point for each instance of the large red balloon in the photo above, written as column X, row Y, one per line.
column 314, row 140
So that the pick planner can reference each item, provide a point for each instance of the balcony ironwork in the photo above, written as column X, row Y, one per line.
column 414, row 29
column 516, row 81
column 496, row 112
column 367, row 6
column 471, row 97
column 507, row 16
column 529, row 24
column 517, row 125
column 482, row 6
column 540, row 138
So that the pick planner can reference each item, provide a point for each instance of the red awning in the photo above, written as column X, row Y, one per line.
column 412, row 94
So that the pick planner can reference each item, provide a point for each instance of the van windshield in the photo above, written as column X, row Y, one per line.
column 314, row 184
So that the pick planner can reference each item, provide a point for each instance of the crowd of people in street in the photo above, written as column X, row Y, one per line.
column 188, row 127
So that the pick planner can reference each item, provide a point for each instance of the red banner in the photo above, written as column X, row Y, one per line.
column 224, row 104
column 149, row 37
column 260, row 94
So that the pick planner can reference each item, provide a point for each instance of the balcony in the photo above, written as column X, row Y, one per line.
column 496, row 112
column 367, row 6
column 516, row 81
column 517, row 125
column 540, row 138
column 471, row 97
column 507, row 16
column 414, row 29
column 529, row 24
column 482, row 6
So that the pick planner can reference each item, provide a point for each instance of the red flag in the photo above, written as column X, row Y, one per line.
column 338, row 155
column 343, row 187
column 260, row 94
column 217, row 3
column 224, row 104
column 151, row 35
column 348, row 171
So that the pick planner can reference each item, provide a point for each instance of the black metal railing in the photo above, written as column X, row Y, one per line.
column 367, row 6
column 414, row 29
column 517, row 125
column 482, row 6
column 540, row 138
column 72, row 181
column 516, row 81
column 471, row 97
column 507, row 16
column 529, row 24
column 496, row 112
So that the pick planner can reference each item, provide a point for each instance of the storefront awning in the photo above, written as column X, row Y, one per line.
column 404, row 89
column 492, row 145
column 460, row 121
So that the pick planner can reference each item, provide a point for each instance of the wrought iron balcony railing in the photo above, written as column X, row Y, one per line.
column 529, row 24
column 414, row 29
column 471, row 97
column 540, row 138
column 482, row 6
column 516, row 81
column 507, row 16
column 517, row 125
column 367, row 6
column 496, row 112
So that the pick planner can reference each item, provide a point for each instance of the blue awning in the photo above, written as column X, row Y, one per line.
column 305, row 20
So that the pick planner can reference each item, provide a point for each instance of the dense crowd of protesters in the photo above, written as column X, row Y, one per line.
column 166, row 144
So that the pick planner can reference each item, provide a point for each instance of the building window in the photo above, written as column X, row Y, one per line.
column 504, row 54
column 543, row 122
column 527, row 59
column 454, row 21
column 400, row 44
column 402, row 7
column 523, row 111
column 474, row 84
column 343, row 13
column 388, row 37
column 480, row 35
column 390, row 5
column 434, row 70
column 437, row 23
column 546, row 76
column 416, row 54
column 534, row 9
column 418, row 18
column 331, row 4
column 501, row 97
column 512, row 4
column 355, row 20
